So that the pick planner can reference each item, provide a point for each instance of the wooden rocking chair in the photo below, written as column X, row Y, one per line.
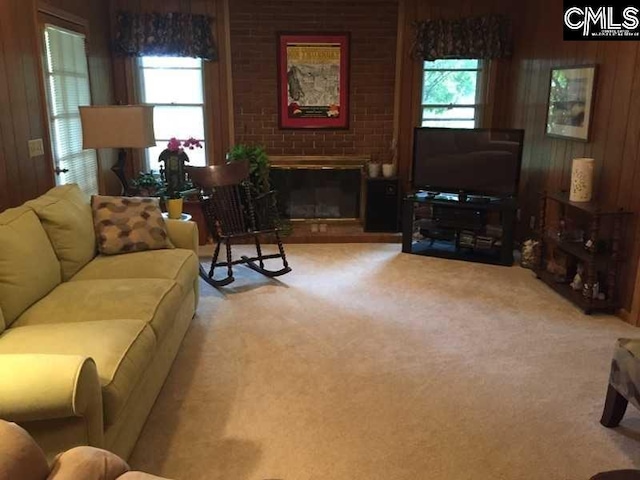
column 231, row 213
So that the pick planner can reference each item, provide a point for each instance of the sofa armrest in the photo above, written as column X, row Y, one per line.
column 46, row 387
column 183, row 234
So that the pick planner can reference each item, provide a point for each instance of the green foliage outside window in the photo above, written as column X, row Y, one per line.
column 443, row 85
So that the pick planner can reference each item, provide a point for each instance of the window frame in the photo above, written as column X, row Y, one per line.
column 477, row 106
column 139, row 69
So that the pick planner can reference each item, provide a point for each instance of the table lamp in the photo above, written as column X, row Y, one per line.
column 118, row 126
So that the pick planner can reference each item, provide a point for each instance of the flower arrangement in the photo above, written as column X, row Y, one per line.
column 177, row 145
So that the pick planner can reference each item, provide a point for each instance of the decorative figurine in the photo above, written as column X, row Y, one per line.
column 529, row 253
column 578, row 283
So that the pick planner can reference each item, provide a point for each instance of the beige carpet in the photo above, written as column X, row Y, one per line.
column 366, row 364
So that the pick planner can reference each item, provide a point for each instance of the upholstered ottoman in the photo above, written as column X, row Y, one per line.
column 624, row 382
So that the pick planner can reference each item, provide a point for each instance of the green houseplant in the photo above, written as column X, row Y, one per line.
column 258, row 166
column 259, row 181
column 147, row 184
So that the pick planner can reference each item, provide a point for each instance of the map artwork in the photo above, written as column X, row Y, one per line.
column 313, row 79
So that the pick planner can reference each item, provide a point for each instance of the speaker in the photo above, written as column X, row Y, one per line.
column 382, row 208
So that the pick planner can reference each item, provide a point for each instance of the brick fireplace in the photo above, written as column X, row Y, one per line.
column 324, row 196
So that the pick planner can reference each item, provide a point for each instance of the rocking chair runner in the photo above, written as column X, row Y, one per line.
column 231, row 213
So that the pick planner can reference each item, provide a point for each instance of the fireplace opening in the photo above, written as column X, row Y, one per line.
column 318, row 193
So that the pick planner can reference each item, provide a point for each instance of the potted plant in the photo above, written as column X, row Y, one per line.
column 258, row 166
column 175, row 179
column 147, row 184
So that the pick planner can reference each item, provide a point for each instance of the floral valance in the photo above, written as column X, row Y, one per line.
column 165, row 34
column 483, row 37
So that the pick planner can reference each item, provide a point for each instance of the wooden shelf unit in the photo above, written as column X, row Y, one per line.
column 599, row 252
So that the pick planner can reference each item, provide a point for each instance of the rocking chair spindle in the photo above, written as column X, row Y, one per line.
column 231, row 213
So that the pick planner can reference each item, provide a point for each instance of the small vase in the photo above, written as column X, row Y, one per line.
column 174, row 208
column 374, row 170
column 388, row 170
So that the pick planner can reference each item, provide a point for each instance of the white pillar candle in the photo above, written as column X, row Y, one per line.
column 582, row 180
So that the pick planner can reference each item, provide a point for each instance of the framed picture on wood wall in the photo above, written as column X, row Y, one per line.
column 571, row 95
column 313, row 80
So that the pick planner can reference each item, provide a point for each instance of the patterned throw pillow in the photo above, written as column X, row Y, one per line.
column 128, row 224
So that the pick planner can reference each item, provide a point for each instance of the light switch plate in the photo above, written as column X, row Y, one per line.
column 36, row 148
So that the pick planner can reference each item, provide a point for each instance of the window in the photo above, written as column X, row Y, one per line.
column 174, row 86
column 67, row 85
column 450, row 93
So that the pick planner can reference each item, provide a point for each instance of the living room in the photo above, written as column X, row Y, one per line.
column 361, row 361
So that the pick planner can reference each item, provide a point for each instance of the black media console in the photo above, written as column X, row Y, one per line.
column 476, row 229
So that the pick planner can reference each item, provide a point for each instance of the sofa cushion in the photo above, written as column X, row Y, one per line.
column 122, row 350
column 66, row 216
column 152, row 300
column 128, row 224
column 178, row 264
column 29, row 268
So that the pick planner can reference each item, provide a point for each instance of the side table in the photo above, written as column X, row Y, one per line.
column 185, row 217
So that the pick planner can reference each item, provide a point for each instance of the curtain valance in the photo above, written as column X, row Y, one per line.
column 482, row 37
column 165, row 34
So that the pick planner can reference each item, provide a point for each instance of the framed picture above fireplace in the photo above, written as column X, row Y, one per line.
column 313, row 80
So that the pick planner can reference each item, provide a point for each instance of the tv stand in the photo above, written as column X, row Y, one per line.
column 476, row 229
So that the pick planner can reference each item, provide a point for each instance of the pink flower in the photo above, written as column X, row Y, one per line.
column 192, row 143
column 174, row 145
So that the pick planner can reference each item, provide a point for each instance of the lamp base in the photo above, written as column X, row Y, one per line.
column 119, row 169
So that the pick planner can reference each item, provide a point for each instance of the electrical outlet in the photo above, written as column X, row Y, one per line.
column 314, row 228
column 323, row 227
column 36, row 148
column 532, row 222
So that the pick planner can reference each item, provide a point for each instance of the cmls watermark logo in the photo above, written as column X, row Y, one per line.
column 589, row 21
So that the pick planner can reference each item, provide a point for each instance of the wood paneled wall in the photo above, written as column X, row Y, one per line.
column 23, row 114
column 615, row 134
column 217, row 75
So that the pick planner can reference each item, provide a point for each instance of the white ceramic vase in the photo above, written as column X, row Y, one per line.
column 388, row 170
column 374, row 170
column 582, row 180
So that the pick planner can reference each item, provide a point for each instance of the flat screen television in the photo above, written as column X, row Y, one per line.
column 470, row 161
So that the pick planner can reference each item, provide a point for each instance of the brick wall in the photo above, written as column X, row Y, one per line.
column 373, row 27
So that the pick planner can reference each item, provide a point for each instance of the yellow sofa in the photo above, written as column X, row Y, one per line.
column 86, row 341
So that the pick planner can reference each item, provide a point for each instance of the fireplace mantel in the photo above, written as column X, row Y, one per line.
column 319, row 161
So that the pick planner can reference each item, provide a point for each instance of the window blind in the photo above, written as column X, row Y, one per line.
column 67, row 84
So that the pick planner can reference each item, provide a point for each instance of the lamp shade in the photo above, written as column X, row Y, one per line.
column 117, row 126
